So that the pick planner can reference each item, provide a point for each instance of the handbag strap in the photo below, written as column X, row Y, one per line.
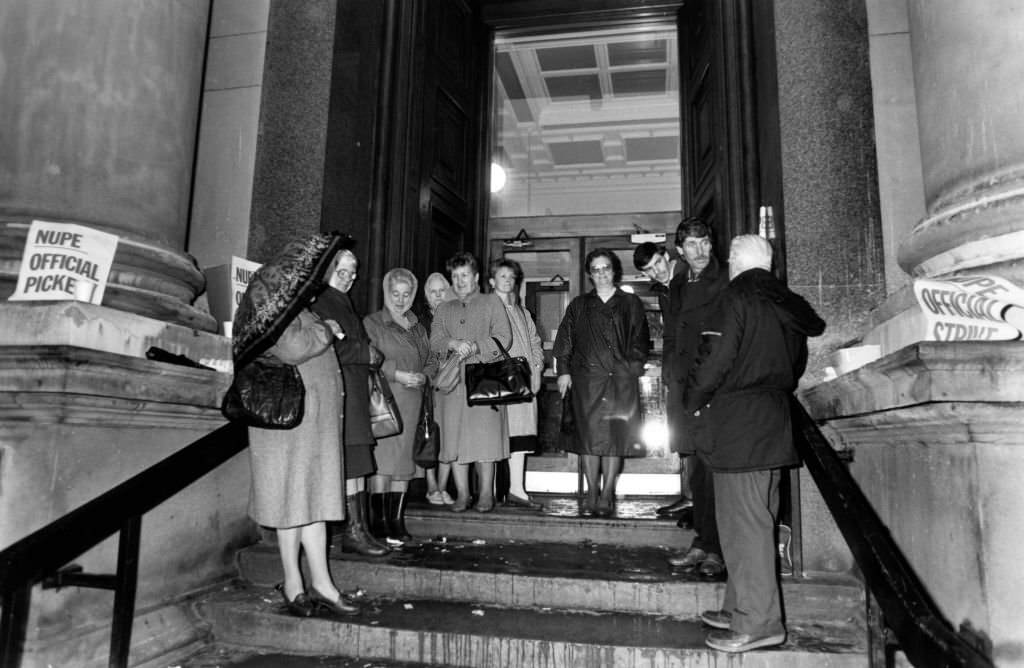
column 501, row 348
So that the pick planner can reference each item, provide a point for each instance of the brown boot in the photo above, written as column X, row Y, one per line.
column 355, row 537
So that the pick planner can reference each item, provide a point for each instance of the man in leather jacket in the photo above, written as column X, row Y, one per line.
column 752, row 356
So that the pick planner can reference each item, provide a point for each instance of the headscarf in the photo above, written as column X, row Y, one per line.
column 398, row 275
column 447, row 286
column 279, row 290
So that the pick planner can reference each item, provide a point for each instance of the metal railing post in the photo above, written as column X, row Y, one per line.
column 14, row 624
column 124, row 593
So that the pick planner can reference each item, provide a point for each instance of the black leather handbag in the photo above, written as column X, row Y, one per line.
column 427, row 442
column 266, row 393
column 504, row 381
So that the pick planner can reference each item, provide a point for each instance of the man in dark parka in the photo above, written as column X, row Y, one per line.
column 753, row 355
column 692, row 294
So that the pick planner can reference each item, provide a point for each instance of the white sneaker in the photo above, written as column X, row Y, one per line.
column 435, row 498
column 447, row 499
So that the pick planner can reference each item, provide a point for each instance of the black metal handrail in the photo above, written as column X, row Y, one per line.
column 920, row 630
column 42, row 556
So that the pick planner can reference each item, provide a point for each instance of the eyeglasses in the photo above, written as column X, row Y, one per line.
column 603, row 269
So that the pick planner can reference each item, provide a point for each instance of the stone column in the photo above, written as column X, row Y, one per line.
column 968, row 68
column 98, row 110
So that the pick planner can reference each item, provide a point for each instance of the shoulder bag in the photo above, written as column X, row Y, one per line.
column 504, row 381
column 385, row 420
column 266, row 393
column 427, row 442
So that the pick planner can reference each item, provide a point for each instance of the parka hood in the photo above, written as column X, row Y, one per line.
column 793, row 310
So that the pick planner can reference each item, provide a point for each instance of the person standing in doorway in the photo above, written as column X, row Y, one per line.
column 754, row 354
column 691, row 296
column 600, row 351
column 655, row 263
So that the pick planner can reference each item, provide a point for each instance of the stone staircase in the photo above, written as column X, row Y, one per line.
column 520, row 588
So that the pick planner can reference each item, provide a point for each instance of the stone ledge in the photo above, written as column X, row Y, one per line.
column 69, row 323
column 925, row 372
column 62, row 382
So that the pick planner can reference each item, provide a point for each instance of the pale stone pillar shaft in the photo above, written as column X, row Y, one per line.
column 99, row 103
column 968, row 68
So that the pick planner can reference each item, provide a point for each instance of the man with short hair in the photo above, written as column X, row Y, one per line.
column 691, row 295
column 654, row 262
column 754, row 353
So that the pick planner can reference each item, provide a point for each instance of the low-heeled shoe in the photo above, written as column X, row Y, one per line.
column 688, row 560
column 685, row 519
column 325, row 605
column 712, row 567
column 300, row 606
column 730, row 641
column 719, row 619
column 682, row 504
column 520, row 502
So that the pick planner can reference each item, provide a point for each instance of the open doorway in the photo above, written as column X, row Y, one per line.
column 585, row 135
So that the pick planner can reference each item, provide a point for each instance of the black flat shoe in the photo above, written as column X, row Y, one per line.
column 522, row 502
column 300, row 606
column 329, row 607
column 675, row 508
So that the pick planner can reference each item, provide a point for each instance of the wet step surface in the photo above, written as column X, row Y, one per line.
column 444, row 633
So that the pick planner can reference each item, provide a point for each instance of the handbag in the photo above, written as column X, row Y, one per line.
column 385, row 420
column 449, row 375
column 427, row 442
column 567, row 423
column 265, row 393
column 503, row 381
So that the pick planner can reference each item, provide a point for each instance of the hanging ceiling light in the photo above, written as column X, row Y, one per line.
column 498, row 177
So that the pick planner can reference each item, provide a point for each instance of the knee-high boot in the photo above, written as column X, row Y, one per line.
column 396, row 516
column 378, row 515
column 355, row 537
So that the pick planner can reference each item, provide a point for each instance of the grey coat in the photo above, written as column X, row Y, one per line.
column 297, row 473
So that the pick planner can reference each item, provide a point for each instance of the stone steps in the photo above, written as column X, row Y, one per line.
column 521, row 588
column 453, row 634
column 589, row 577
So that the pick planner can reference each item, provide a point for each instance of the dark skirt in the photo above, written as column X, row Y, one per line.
column 358, row 460
column 523, row 443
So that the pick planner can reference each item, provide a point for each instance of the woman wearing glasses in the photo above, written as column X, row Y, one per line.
column 600, row 351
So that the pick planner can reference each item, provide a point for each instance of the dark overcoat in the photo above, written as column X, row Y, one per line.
column 603, row 346
column 749, row 365
column 689, row 303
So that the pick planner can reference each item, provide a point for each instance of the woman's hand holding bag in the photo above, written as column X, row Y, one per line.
column 505, row 381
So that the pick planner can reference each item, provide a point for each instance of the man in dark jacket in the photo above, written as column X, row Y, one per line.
column 691, row 295
column 654, row 262
column 751, row 360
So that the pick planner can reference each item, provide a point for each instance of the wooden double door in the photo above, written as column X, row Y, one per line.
column 434, row 119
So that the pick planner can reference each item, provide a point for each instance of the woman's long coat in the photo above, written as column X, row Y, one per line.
column 603, row 346
column 478, row 433
column 297, row 473
column 404, row 350
column 522, row 418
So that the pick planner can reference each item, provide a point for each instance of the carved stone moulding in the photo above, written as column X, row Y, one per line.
column 145, row 278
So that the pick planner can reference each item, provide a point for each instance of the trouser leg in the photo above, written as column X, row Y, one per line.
column 746, row 505
column 704, row 523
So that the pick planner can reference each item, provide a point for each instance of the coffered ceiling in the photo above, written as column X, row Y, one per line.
column 601, row 104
